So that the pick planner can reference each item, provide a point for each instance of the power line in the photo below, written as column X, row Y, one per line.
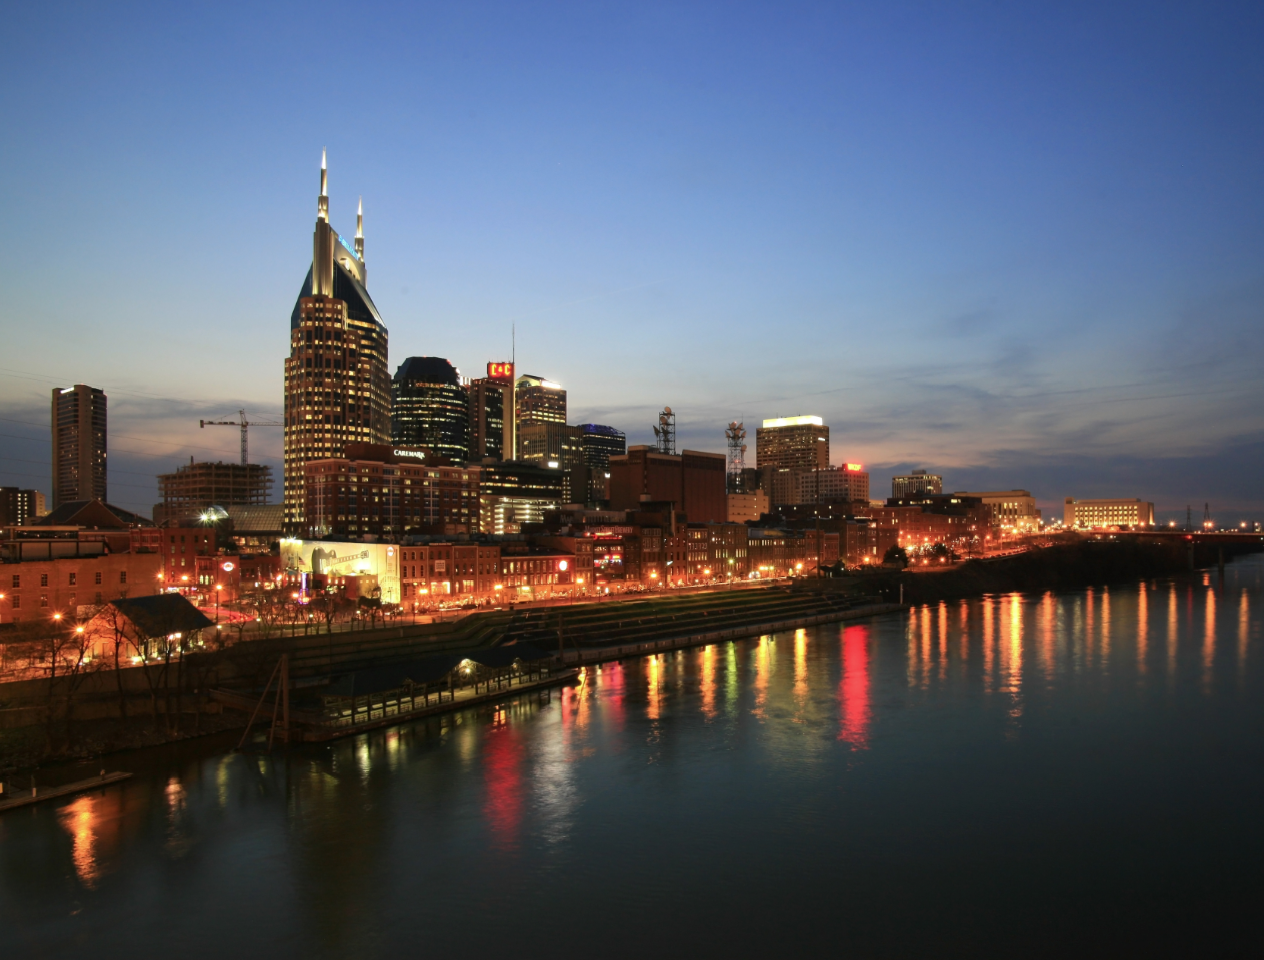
column 120, row 436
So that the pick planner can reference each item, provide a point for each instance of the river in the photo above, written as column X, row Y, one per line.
column 1020, row 775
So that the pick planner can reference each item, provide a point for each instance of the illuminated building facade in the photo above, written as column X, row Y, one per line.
column 786, row 445
column 432, row 572
column 790, row 443
column 917, row 482
column 1108, row 513
column 841, row 484
column 747, row 507
column 558, row 447
column 491, row 431
column 538, row 400
column 514, row 492
column 430, row 408
column 1013, row 511
column 337, row 383
column 387, row 491
column 79, row 435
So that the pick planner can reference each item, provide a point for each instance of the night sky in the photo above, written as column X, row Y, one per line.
column 1021, row 245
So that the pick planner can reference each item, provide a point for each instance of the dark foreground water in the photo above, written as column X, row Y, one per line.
column 1016, row 776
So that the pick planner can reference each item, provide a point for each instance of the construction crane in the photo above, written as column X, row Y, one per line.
column 244, row 424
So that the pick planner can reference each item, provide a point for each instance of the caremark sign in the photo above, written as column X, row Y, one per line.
column 419, row 454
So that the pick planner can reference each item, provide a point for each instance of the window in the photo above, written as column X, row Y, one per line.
column 43, row 579
column 43, row 599
column 17, row 580
column 72, row 579
column 122, row 576
column 98, row 578
column 17, row 602
column 98, row 600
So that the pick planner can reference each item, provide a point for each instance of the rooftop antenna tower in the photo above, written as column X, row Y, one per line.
column 736, row 437
column 665, row 432
column 1207, row 521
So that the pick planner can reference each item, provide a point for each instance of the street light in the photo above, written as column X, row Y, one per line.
column 218, row 588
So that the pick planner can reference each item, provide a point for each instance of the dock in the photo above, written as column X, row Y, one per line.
column 27, row 797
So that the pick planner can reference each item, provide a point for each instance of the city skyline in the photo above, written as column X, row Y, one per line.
column 1025, row 311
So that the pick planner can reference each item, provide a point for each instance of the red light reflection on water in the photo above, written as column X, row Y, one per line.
column 853, row 689
column 502, row 756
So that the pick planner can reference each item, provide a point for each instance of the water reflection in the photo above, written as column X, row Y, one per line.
column 502, row 769
column 708, row 681
column 1209, row 634
column 632, row 758
column 853, row 689
column 1143, row 626
column 800, row 668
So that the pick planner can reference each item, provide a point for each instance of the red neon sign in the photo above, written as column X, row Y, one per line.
column 500, row 371
column 854, row 466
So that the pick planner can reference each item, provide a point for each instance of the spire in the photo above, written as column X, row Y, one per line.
column 359, row 237
column 322, row 202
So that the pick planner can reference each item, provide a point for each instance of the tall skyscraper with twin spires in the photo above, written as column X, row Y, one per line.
column 337, row 382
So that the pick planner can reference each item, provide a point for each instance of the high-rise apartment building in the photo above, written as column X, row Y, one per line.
column 915, row 483
column 337, row 383
column 491, row 430
column 430, row 407
column 79, row 455
column 539, row 401
column 20, row 507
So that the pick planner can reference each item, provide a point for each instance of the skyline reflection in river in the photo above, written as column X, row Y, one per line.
column 948, row 779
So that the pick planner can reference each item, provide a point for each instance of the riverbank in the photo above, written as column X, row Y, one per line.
column 1062, row 567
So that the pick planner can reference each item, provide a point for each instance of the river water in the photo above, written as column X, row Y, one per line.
column 1021, row 775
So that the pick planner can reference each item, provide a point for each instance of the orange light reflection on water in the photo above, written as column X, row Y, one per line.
column 1173, row 622
column 1209, row 636
column 708, row 682
column 1143, row 626
column 800, row 666
column 989, row 645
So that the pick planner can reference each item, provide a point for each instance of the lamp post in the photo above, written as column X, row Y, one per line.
column 218, row 588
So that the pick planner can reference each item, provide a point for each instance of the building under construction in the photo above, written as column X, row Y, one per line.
column 194, row 487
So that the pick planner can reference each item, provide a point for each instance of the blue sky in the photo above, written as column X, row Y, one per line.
column 1018, row 244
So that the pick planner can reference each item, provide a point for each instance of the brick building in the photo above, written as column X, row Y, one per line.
column 388, row 491
column 692, row 481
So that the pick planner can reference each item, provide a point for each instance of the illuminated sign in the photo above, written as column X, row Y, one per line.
column 419, row 454
column 228, row 566
column 350, row 248
column 795, row 422
column 500, row 371
column 854, row 466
